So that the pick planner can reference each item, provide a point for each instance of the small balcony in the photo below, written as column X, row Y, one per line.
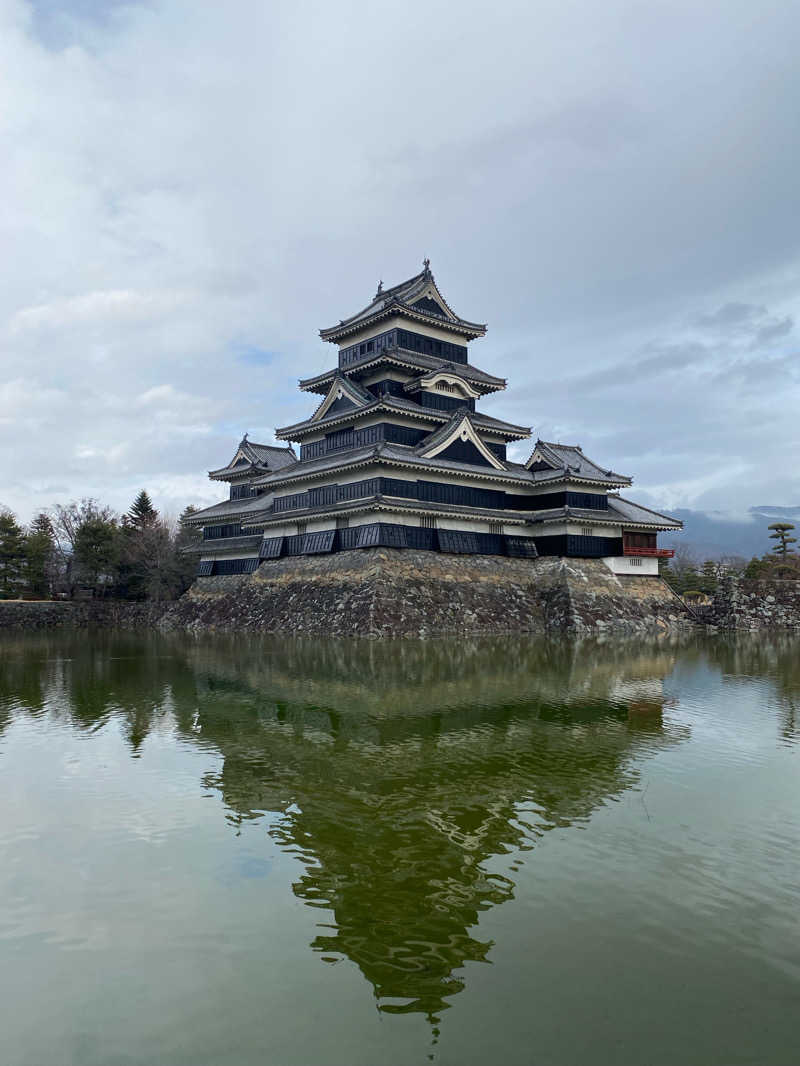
column 650, row 553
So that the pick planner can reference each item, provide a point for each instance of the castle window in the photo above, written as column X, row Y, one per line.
column 428, row 521
column 587, row 531
column 636, row 560
column 495, row 527
column 301, row 528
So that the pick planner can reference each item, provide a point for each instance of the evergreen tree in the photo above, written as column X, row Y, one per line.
column 707, row 578
column 40, row 556
column 781, row 534
column 142, row 512
column 12, row 555
column 96, row 554
column 186, row 538
column 756, row 567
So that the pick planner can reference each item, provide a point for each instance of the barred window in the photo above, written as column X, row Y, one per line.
column 495, row 527
column 636, row 560
column 428, row 521
column 587, row 531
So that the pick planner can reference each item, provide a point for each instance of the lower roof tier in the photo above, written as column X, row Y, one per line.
column 401, row 456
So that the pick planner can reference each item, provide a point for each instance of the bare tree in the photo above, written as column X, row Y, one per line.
column 68, row 519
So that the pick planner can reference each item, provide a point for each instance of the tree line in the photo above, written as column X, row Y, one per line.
column 689, row 576
column 84, row 548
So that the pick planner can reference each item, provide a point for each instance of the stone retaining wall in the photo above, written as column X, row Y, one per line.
column 748, row 604
column 386, row 592
column 50, row 614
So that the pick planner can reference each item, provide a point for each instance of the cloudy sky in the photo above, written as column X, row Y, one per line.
column 190, row 190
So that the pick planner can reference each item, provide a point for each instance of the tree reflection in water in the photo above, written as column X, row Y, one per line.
column 395, row 771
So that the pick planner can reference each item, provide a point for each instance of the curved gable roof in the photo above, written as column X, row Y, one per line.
column 418, row 296
column 570, row 459
column 253, row 458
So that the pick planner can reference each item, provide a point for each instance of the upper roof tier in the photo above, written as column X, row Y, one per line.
column 417, row 299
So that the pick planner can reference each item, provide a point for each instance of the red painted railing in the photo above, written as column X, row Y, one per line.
column 658, row 553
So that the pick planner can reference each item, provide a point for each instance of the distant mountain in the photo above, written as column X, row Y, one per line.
column 711, row 534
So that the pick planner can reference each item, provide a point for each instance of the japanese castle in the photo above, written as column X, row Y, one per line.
column 397, row 455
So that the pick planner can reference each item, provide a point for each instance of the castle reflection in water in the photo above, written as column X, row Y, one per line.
column 398, row 772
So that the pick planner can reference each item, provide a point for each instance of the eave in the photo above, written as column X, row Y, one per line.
column 390, row 504
column 321, row 382
column 202, row 518
column 604, row 518
column 561, row 477
column 249, row 541
column 227, row 473
column 374, row 458
column 395, row 309
column 421, row 414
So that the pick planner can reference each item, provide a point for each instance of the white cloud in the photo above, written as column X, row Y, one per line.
column 122, row 306
column 184, row 182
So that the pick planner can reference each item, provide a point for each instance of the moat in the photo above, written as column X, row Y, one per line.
column 277, row 851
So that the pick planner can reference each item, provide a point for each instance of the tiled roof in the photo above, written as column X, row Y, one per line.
column 391, row 454
column 418, row 296
column 346, row 459
column 634, row 512
column 274, row 456
column 230, row 509
column 402, row 404
column 619, row 511
column 414, row 360
column 247, row 542
column 395, row 503
column 258, row 456
column 570, row 457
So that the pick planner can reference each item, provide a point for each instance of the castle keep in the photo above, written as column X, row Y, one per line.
column 398, row 455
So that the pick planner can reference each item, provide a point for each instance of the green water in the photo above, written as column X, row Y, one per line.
column 286, row 852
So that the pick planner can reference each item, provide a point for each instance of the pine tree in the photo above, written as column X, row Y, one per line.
column 12, row 555
column 40, row 556
column 142, row 512
column 781, row 534
column 96, row 554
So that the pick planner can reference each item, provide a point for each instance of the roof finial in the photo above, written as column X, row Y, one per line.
column 426, row 265
column 244, row 439
column 380, row 287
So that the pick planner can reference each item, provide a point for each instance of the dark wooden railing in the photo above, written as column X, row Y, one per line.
column 657, row 553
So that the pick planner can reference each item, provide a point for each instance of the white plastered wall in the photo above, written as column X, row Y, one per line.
column 632, row 565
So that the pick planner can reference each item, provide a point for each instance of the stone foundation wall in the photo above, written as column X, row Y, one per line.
column 743, row 604
column 385, row 592
column 51, row 614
